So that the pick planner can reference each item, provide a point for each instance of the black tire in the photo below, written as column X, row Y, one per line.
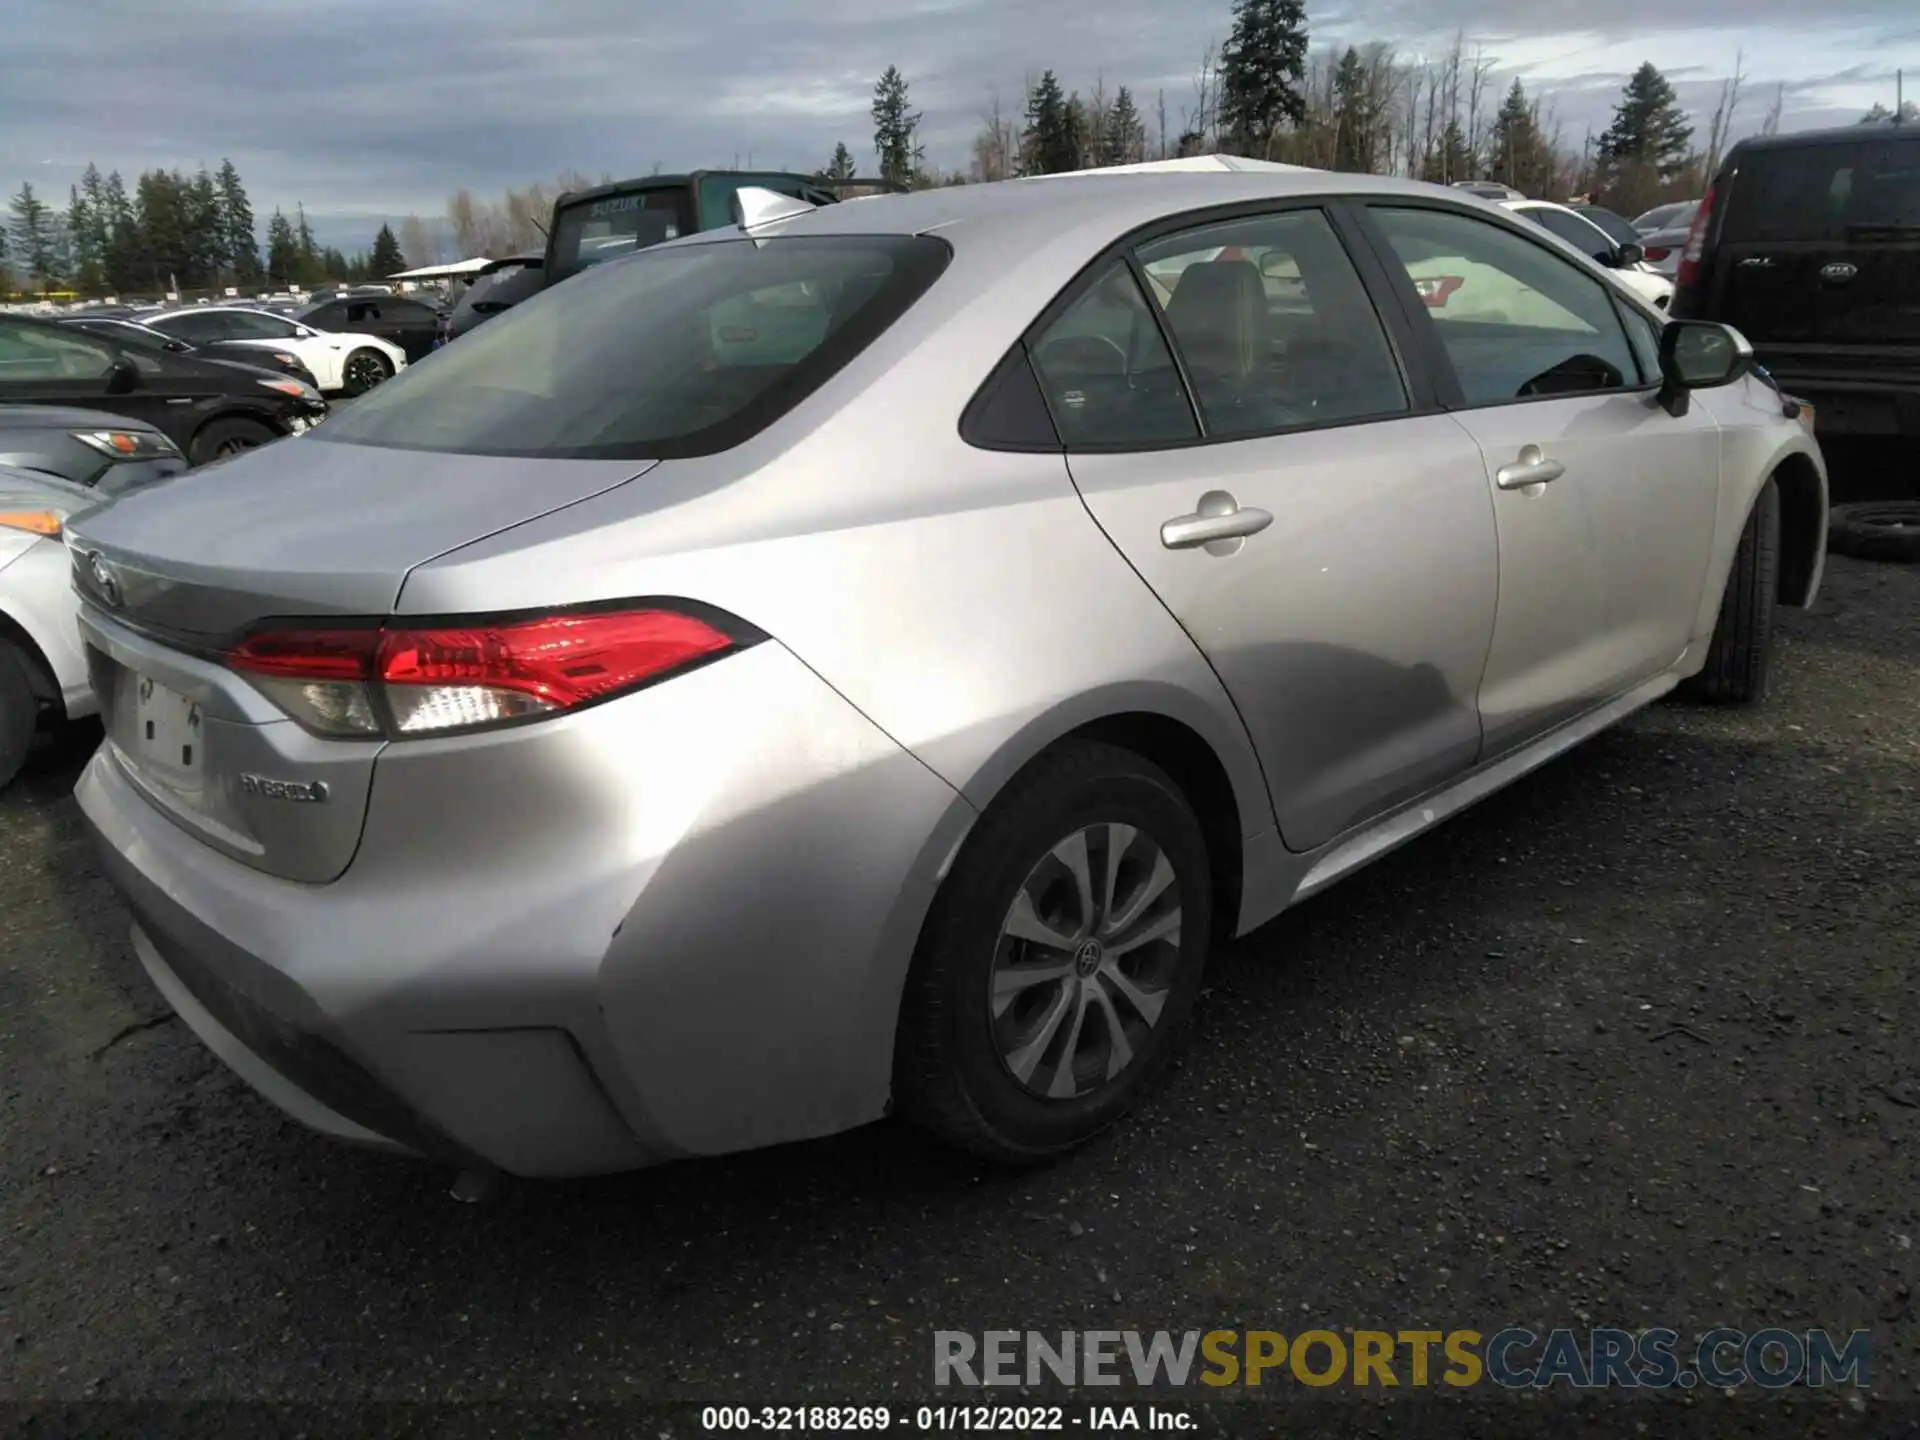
column 1740, row 660
column 1876, row 530
column 19, row 711
column 949, row 1074
column 362, row 370
column 223, row 439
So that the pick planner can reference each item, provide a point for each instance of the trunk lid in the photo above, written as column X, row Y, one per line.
column 1820, row 246
column 302, row 528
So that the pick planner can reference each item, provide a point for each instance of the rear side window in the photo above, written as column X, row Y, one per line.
column 1107, row 374
column 1833, row 193
column 683, row 351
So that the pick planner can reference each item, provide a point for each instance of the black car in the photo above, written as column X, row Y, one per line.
column 1809, row 245
column 132, row 335
column 208, row 408
column 400, row 319
column 107, row 453
column 500, row 286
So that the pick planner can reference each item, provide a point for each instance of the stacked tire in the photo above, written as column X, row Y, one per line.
column 1876, row 530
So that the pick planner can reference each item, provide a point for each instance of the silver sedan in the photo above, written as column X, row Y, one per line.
column 865, row 658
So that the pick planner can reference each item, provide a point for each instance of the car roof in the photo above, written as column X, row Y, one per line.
column 1098, row 208
column 1856, row 134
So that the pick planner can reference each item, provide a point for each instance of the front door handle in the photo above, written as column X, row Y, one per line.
column 1532, row 468
column 1218, row 517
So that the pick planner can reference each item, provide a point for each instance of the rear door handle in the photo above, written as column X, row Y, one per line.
column 1218, row 517
column 1532, row 468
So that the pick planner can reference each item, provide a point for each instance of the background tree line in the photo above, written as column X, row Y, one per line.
column 195, row 231
column 1268, row 93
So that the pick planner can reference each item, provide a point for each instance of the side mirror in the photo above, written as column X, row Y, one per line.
column 176, row 347
column 1278, row 265
column 122, row 376
column 1699, row 355
column 1628, row 255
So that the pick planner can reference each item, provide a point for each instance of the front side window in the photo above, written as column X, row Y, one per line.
column 1579, row 233
column 1517, row 321
column 1107, row 374
column 257, row 325
column 30, row 353
column 684, row 351
column 1273, row 324
column 194, row 329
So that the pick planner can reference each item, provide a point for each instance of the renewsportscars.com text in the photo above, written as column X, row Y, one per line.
column 1513, row 1358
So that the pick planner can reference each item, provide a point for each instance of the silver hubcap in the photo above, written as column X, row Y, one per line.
column 1086, row 958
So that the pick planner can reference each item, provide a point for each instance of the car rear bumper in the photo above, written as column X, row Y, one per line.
column 699, row 948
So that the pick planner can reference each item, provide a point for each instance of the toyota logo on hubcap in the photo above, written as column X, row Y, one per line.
column 1087, row 958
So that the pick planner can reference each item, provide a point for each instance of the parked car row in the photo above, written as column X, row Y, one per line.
column 863, row 658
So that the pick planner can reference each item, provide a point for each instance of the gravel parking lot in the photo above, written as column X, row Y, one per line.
column 1631, row 1043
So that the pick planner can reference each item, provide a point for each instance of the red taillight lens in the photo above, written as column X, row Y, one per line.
column 453, row 678
column 1658, row 253
column 434, row 679
column 1689, row 271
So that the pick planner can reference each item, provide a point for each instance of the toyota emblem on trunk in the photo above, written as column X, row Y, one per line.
column 1839, row 270
column 104, row 578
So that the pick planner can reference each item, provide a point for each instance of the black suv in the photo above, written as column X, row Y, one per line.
column 1809, row 245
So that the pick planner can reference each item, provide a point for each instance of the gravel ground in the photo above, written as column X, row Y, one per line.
column 1631, row 1044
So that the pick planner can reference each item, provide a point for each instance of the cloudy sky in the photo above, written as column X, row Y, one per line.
column 368, row 109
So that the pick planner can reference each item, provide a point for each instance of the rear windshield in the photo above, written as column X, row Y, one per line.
column 498, row 289
column 1826, row 192
column 590, row 232
column 686, row 350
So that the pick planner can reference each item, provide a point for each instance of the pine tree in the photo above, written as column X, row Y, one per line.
column 896, row 128
column 283, row 251
column 1518, row 154
column 206, row 230
column 123, row 233
column 1262, row 69
column 32, row 237
column 841, row 166
column 1050, row 145
column 88, row 272
column 1123, row 138
column 240, row 249
column 1354, row 140
column 1649, row 128
column 385, row 258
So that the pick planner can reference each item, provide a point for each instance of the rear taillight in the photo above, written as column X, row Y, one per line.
column 1658, row 253
column 397, row 680
column 1689, row 271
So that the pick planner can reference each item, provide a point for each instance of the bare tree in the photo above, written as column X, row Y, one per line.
column 1098, row 110
column 1771, row 125
column 1160, row 151
column 419, row 244
column 1197, row 125
column 1478, row 71
column 1723, row 114
column 996, row 147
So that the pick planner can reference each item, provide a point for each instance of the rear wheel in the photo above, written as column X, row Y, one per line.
column 223, row 438
column 19, row 711
column 1060, row 961
column 363, row 370
column 1739, row 663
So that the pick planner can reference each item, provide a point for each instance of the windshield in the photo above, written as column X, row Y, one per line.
column 590, row 232
column 1826, row 192
column 1666, row 217
column 687, row 350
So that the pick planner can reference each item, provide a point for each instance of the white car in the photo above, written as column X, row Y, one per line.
column 341, row 363
column 1629, row 267
column 43, row 671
